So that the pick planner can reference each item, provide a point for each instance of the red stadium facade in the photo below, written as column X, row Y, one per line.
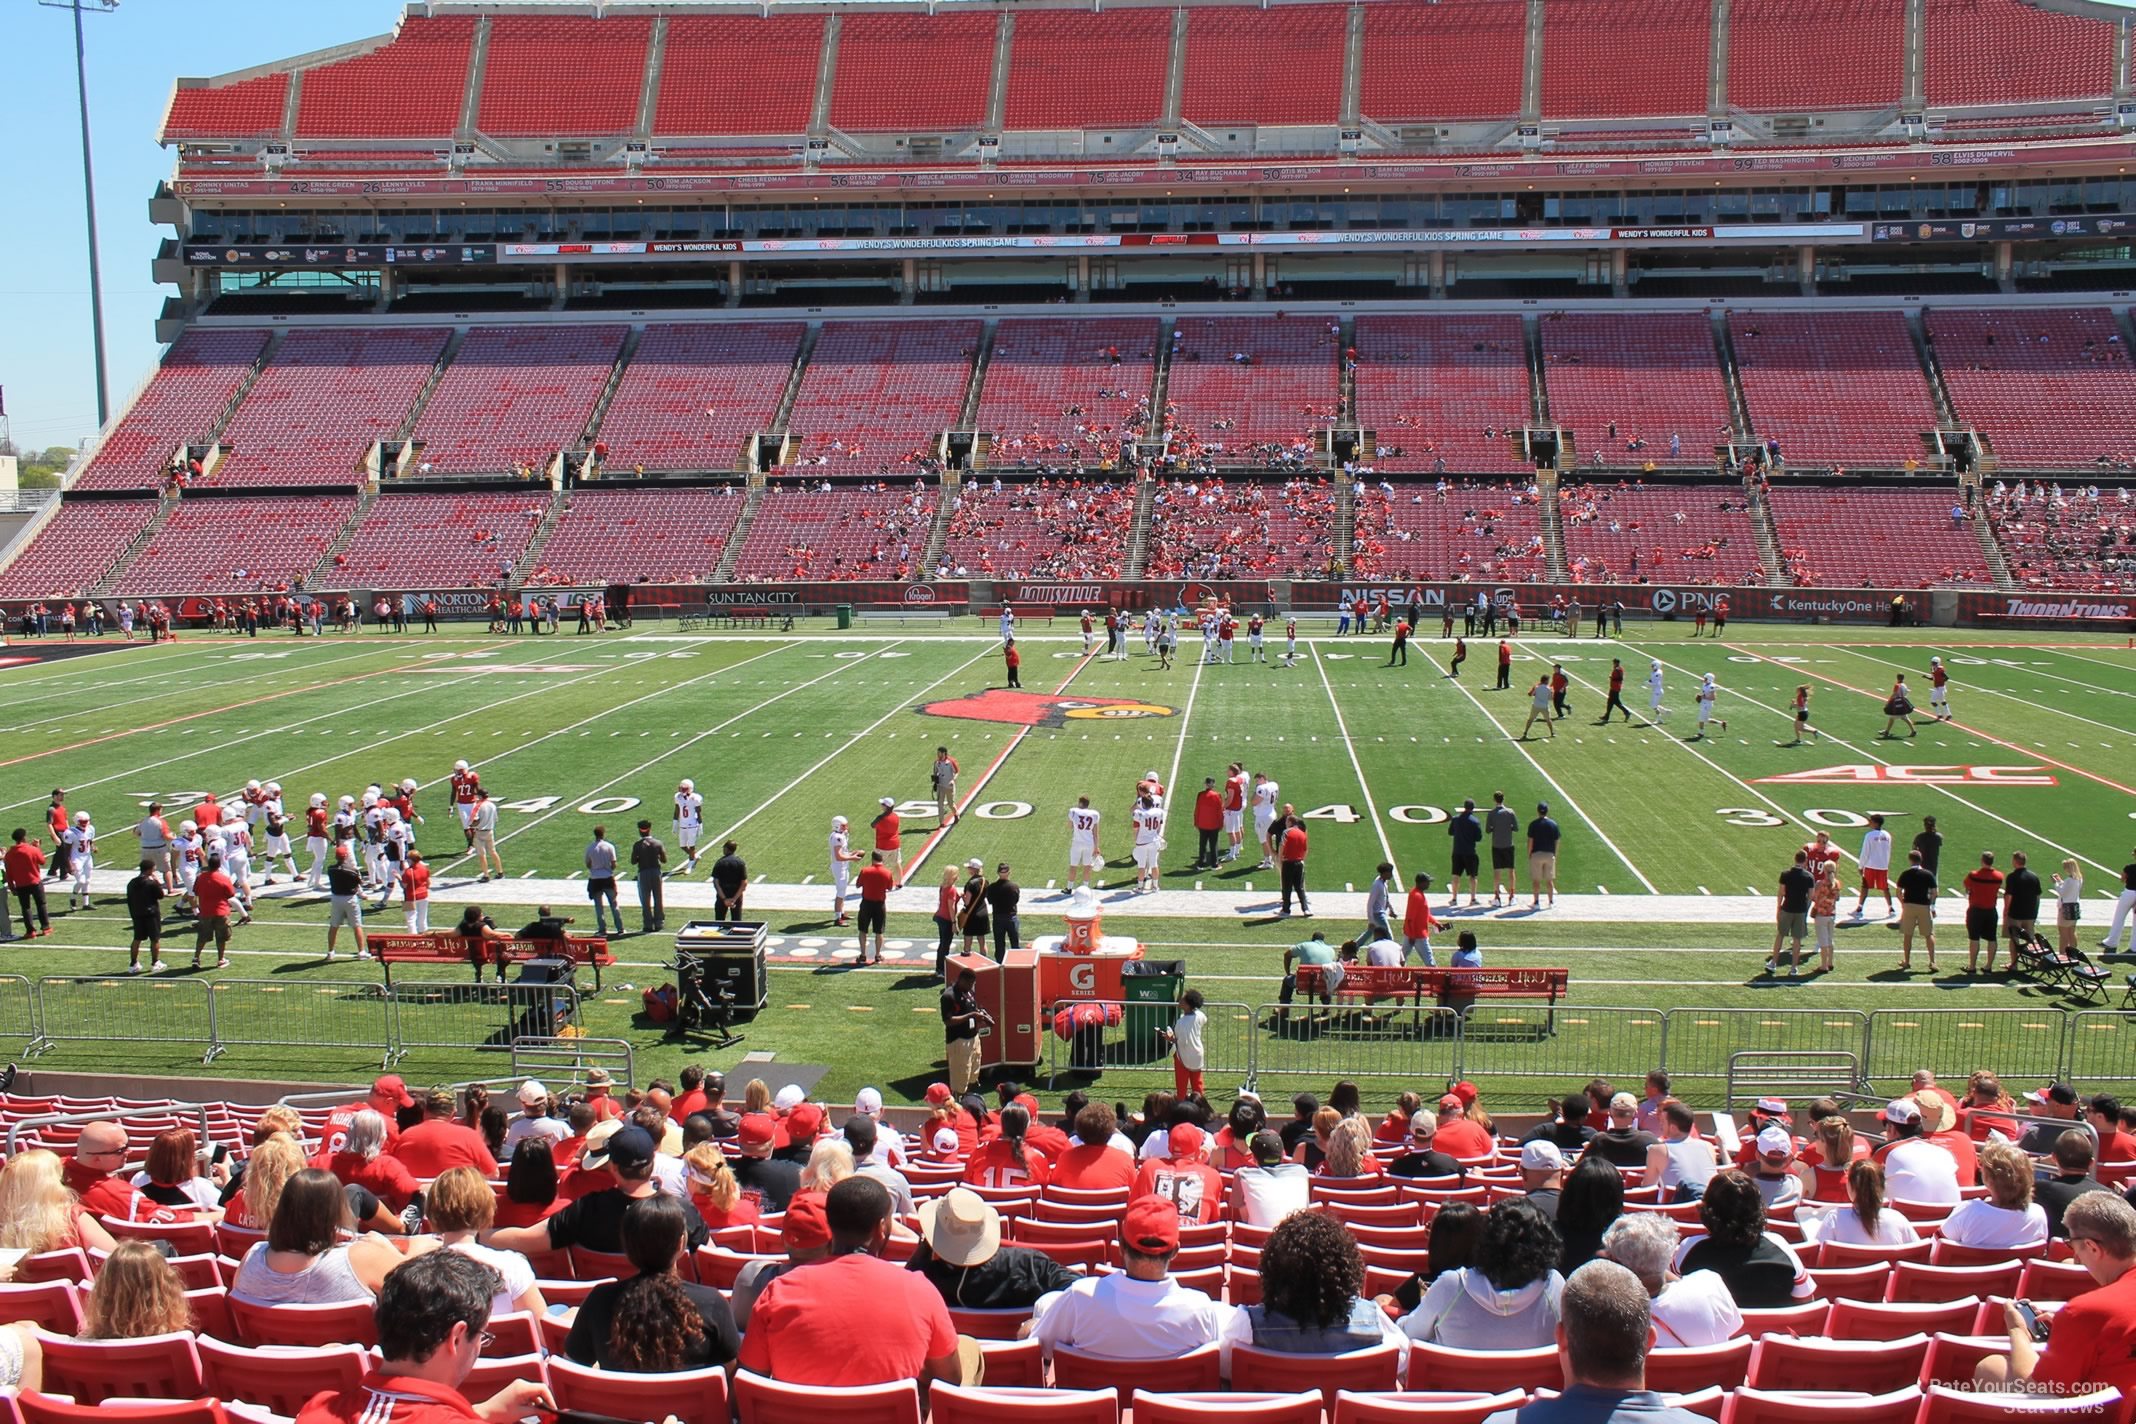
column 1594, row 298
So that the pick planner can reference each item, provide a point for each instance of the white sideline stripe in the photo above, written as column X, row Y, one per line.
column 851, row 741
column 2054, row 651
column 1881, row 761
column 1563, row 795
column 842, row 665
column 1320, row 665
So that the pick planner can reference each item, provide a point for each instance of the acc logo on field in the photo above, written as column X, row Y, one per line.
column 1038, row 709
column 1863, row 774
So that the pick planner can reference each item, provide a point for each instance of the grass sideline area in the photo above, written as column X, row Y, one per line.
column 782, row 732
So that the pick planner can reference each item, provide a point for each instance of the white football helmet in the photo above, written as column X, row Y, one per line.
column 409, row 785
column 459, row 766
column 186, row 828
column 318, row 800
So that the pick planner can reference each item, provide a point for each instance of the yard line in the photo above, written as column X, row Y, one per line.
column 927, row 847
column 850, row 742
column 1562, row 794
column 1972, row 688
column 25, row 676
column 12, row 709
column 840, row 666
column 2033, row 753
column 1171, row 782
column 1386, row 849
column 1881, row 761
column 2061, row 650
column 1739, row 781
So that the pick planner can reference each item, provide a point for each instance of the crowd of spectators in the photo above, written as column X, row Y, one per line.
column 1051, row 527
column 869, row 530
column 1206, row 528
column 2082, row 538
column 1684, row 544
column 1486, row 530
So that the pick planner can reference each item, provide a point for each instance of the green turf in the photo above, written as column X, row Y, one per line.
column 782, row 733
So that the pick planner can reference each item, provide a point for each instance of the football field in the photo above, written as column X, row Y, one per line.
column 1672, row 843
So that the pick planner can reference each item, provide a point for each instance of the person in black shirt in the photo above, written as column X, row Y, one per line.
column 344, row 889
column 1002, row 898
column 1466, row 829
column 2021, row 904
column 647, row 856
column 2122, row 906
column 961, row 1255
column 1917, row 906
column 1421, row 1160
column 1796, row 882
column 1568, row 1131
column 725, row 1124
column 1299, row 1128
column 730, row 877
column 544, row 925
column 1622, row 1144
column 1930, row 844
column 667, row 1323
column 144, row 906
column 2072, row 1178
column 961, row 1017
column 768, row 1182
column 595, row 1221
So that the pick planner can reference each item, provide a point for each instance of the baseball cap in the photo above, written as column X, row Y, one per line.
column 1267, row 1149
column 1423, row 1127
column 1901, row 1110
column 1775, row 1142
column 975, row 863
column 945, row 1140
column 2060, row 1093
column 630, row 1148
column 1151, row 1227
column 790, row 1097
column 533, row 1092
column 806, row 1226
column 867, row 1102
column 757, row 1130
column 938, row 1093
column 1466, row 1092
column 1624, row 1102
column 887, row 801
column 395, row 1087
column 804, row 1122
column 1186, row 1141
column 1541, row 1156
column 1772, row 1107
column 1450, row 1103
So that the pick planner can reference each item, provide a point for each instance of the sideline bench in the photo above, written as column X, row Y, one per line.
column 444, row 947
column 901, row 615
column 1446, row 986
column 1032, row 612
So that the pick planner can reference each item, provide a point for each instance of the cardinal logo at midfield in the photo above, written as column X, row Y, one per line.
column 1039, row 709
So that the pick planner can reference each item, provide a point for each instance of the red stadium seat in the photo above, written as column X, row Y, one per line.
column 55, row 1306
column 1421, row 1407
column 1677, row 1370
column 150, row 1367
column 280, row 1377
column 1806, row 1319
column 1871, row 1366
column 2054, row 1280
column 1911, row 1281
column 1196, row 1370
column 1758, row 1406
column 953, row 1404
column 1183, row 1408
column 1873, row 1320
column 36, row 1408
column 693, row 1396
column 764, row 1401
column 1954, row 1359
column 1845, row 1254
column 352, row 1324
column 1273, row 1372
column 492, row 1373
column 1448, row 1368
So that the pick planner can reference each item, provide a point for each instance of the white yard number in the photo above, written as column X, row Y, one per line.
column 1341, row 815
column 1749, row 817
column 609, row 806
column 1417, row 815
column 914, row 808
column 533, row 804
column 1002, row 810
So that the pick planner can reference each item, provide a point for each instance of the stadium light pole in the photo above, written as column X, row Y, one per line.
column 96, row 280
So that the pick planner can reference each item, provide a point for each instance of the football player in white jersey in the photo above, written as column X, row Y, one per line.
column 1707, row 692
column 237, row 857
column 81, row 855
column 254, row 797
column 1290, row 642
column 372, row 837
column 1656, row 713
column 689, row 820
column 274, row 822
column 842, row 855
column 188, row 858
column 1149, row 842
column 1084, row 857
column 1264, row 816
column 395, row 842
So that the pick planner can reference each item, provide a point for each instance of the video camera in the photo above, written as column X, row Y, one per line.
column 703, row 1004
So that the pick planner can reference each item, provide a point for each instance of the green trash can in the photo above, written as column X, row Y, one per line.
column 845, row 615
column 1151, row 988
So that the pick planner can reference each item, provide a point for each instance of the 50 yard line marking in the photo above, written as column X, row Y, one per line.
column 1179, row 750
column 912, row 867
column 1562, row 794
column 1386, row 850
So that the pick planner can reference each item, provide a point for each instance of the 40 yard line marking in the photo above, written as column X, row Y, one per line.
column 1386, row 849
column 926, row 849
column 1562, row 794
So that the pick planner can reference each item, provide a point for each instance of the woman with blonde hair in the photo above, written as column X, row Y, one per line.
column 2007, row 1216
column 1824, row 1174
column 38, row 1212
column 135, row 1294
column 1824, row 911
column 949, row 896
column 279, row 1118
column 713, row 1188
column 1312, row 1149
column 460, row 1206
column 2069, row 901
column 267, row 1170
column 830, row 1162
column 1349, row 1150
column 756, row 1097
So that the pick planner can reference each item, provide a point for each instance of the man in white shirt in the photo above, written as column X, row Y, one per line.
column 1687, row 1312
column 861, row 1136
column 1265, row 792
column 1876, row 868
column 1084, row 857
column 1916, row 1169
column 1272, row 1188
column 1774, row 1175
column 842, row 855
column 1149, row 843
column 534, row 1119
column 1140, row 1313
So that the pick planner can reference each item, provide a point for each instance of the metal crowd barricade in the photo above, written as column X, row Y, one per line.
column 478, row 1017
column 1313, row 1045
column 2024, row 1045
column 2098, row 1047
column 127, row 1009
column 1703, row 1041
column 19, row 1017
column 350, row 1014
column 1568, row 1044
column 555, row 1059
column 1129, row 1050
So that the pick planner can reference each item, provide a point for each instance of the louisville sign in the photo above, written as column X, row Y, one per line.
column 1859, row 775
column 1040, row 709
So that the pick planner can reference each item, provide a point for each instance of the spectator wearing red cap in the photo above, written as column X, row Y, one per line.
column 1140, row 1312
column 766, row 1181
column 1458, row 1137
column 805, row 1232
column 1185, row 1179
column 801, row 1328
column 388, row 1096
column 800, row 1128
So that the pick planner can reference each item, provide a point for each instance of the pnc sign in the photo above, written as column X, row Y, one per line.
column 1863, row 775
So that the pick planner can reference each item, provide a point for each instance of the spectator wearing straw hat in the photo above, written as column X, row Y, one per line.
column 961, row 1255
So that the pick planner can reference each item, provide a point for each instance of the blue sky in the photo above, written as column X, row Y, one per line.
column 134, row 53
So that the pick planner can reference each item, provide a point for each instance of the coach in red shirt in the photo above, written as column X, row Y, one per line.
column 1292, row 865
column 876, row 883
column 801, row 1330
column 1209, row 822
column 24, row 869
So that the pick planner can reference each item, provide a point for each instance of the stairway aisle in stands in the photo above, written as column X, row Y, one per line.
column 725, row 572
column 938, row 533
column 364, row 500
column 1770, row 564
column 1138, row 539
column 1546, row 499
column 132, row 551
column 531, row 559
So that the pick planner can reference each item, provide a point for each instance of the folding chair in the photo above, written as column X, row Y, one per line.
column 2087, row 980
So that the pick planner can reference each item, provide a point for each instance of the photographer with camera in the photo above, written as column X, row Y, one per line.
column 962, row 1018
column 478, row 932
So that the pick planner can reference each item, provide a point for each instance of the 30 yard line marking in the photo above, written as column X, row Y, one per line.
column 1386, row 849
column 926, row 849
column 1562, row 794
column 839, row 667
column 847, row 746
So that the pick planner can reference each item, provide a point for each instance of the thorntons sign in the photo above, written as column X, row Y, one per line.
column 2066, row 608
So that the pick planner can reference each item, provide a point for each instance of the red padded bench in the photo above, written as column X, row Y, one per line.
column 444, row 947
column 1443, row 985
column 1032, row 612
